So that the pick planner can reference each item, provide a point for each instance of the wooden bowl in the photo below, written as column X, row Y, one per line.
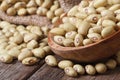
column 90, row 53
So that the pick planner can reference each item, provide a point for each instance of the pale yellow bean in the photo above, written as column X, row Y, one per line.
column 83, row 28
column 65, row 63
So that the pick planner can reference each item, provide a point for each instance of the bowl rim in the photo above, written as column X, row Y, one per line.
column 56, row 46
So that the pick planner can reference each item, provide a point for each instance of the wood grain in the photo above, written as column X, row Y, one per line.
column 17, row 71
column 41, row 71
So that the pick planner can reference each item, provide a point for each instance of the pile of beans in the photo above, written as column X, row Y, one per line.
column 49, row 8
column 74, row 70
column 27, row 44
column 88, row 23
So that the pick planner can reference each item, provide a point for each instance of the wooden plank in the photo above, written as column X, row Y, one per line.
column 17, row 71
column 53, row 73
column 47, row 73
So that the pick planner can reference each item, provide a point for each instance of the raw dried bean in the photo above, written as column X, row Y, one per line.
column 59, row 39
column 83, row 28
column 24, row 54
column 90, row 69
column 101, row 68
column 111, row 64
column 70, row 34
column 78, row 41
column 79, row 69
column 39, row 52
column 93, row 18
column 70, row 71
column 59, row 11
column 6, row 58
column 87, row 42
column 68, row 42
column 30, row 61
column 32, row 44
column 94, row 37
column 51, row 60
column 65, row 63
column 107, row 23
column 114, row 7
column 107, row 31
column 100, row 3
column 73, row 11
column 69, row 27
column 14, row 52
column 58, row 31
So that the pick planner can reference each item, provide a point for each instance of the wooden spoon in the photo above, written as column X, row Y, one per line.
column 90, row 53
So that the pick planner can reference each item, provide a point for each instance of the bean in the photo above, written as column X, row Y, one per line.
column 100, row 9
column 93, row 18
column 3, row 45
column 107, row 23
column 106, row 12
column 50, row 14
column 22, row 12
column 101, row 68
column 90, row 69
column 94, row 37
column 51, row 60
column 46, row 4
column 73, row 11
column 59, row 39
column 84, row 3
column 19, row 5
column 81, row 15
column 32, row 44
column 6, row 58
column 56, row 21
column 43, row 44
column 78, row 41
column 11, row 11
column 79, row 69
column 114, row 7
column 68, row 42
column 39, row 2
column 4, row 6
column 71, row 34
column 54, row 7
column 107, row 31
column 59, row 11
column 100, row 3
column 47, row 50
column 70, row 71
column 30, row 36
column 117, row 12
column 89, row 10
column 36, row 30
column 14, row 52
column 65, row 63
column 38, row 52
column 83, row 28
column 24, row 54
column 87, row 42
column 41, row 11
column 32, row 10
column 111, row 64
column 57, row 31
column 31, row 4
column 30, row 61
column 118, row 17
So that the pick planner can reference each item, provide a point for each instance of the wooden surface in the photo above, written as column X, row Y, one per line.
column 41, row 71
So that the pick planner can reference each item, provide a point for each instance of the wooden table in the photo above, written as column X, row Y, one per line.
column 41, row 71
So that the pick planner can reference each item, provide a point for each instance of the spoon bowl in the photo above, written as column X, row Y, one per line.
column 100, row 50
